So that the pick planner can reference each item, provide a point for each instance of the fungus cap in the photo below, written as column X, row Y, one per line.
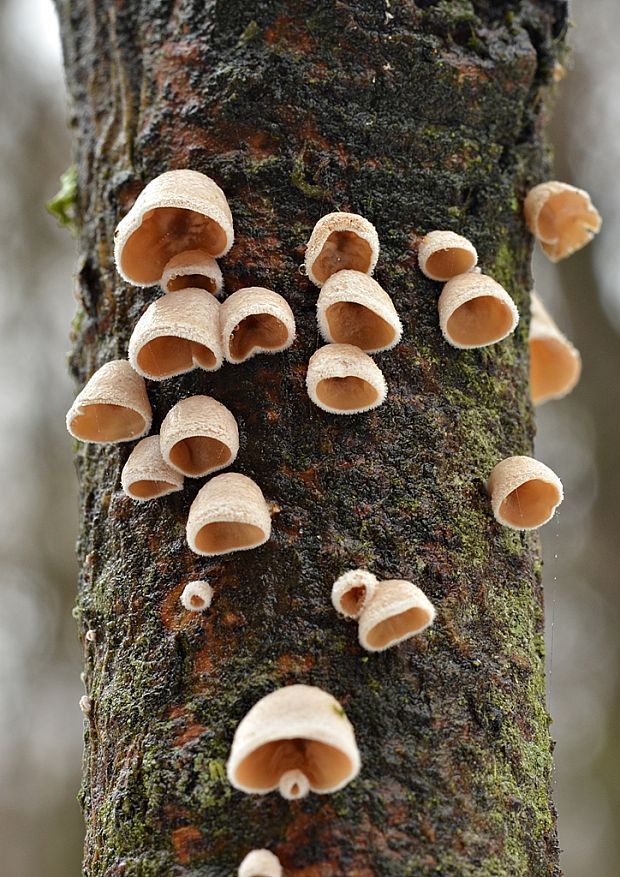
column 524, row 493
column 339, row 241
column 228, row 514
column 353, row 309
column 397, row 611
column 146, row 475
column 561, row 217
column 444, row 254
column 198, row 436
column 179, row 210
column 555, row 364
column 475, row 311
column 197, row 596
column 352, row 592
column 255, row 320
column 193, row 269
column 295, row 739
column 112, row 407
column 342, row 379
column 260, row 863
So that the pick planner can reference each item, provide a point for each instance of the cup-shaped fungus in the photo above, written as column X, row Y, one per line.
column 475, row 311
column 296, row 739
column 444, row 254
column 555, row 364
column 561, row 217
column 397, row 611
column 198, row 436
column 178, row 211
column 112, row 407
column 342, row 379
column 339, row 241
column 353, row 309
column 228, row 514
column 146, row 475
column 524, row 493
column 255, row 320
column 197, row 596
column 353, row 591
column 260, row 863
column 194, row 269
column 176, row 334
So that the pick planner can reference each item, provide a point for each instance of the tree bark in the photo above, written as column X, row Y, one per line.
column 419, row 116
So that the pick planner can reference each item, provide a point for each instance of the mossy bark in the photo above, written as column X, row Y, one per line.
column 418, row 115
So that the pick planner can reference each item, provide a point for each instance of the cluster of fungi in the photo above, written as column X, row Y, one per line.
column 298, row 739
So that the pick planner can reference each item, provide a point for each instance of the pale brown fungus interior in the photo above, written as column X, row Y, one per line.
column 531, row 504
column 197, row 601
column 346, row 394
column 192, row 281
column 107, row 423
column 566, row 218
column 450, row 262
column 257, row 330
column 342, row 250
column 353, row 323
column 323, row 765
column 482, row 320
column 150, row 489
column 199, row 454
column 170, row 355
column 222, row 536
column 553, row 368
column 395, row 628
column 165, row 232
column 353, row 600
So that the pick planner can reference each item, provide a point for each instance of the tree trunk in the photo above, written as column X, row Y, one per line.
column 419, row 116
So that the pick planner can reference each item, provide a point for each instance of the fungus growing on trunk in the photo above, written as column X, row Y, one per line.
column 255, row 320
column 475, row 311
column 146, row 475
column 561, row 217
column 397, row 611
column 198, row 436
column 339, row 241
column 112, row 407
column 178, row 211
column 555, row 364
column 353, row 309
column 177, row 333
column 296, row 739
column 260, row 863
column 353, row 591
column 193, row 269
column 197, row 596
column 228, row 514
column 444, row 254
column 342, row 379
column 524, row 493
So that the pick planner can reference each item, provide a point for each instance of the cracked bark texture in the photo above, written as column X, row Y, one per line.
column 419, row 116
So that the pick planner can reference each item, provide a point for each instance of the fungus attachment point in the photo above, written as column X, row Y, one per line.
column 260, row 863
column 255, row 320
column 296, row 739
column 555, row 365
column 353, row 591
column 112, row 407
column 444, row 254
column 199, row 435
column 342, row 379
column 353, row 309
column 561, row 217
column 339, row 241
column 524, row 493
column 197, row 596
column 194, row 269
column 397, row 611
column 178, row 211
column 176, row 334
column 146, row 475
column 228, row 514
column 475, row 311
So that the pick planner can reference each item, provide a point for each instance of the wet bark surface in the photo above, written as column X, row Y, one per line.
column 419, row 116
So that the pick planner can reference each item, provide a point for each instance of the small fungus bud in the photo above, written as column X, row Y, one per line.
column 339, row 241
column 475, row 311
column 524, row 493
column 296, row 739
column 397, row 611
column 146, row 475
column 260, row 863
column 555, row 365
column 444, row 254
column 228, row 514
column 176, row 334
column 90, row 636
column 197, row 596
column 353, row 591
column 86, row 704
column 198, row 436
column 353, row 309
column 255, row 320
column 112, row 407
column 194, row 269
column 342, row 379
column 561, row 217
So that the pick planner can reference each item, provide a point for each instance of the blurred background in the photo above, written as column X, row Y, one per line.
column 40, row 661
